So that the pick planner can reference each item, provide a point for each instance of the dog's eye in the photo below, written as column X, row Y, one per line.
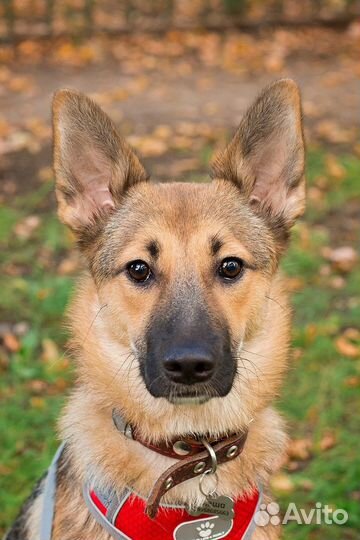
column 230, row 268
column 139, row 271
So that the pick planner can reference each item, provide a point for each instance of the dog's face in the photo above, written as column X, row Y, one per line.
column 182, row 280
column 181, row 270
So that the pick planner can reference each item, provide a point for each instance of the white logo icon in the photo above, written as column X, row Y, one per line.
column 267, row 513
column 205, row 529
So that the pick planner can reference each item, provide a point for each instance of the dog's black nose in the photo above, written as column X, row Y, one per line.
column 189, row 366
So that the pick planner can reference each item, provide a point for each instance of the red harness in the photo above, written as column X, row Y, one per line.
column 125, row 516
column 171, row 523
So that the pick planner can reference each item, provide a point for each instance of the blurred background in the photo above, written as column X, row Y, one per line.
column 176, row 77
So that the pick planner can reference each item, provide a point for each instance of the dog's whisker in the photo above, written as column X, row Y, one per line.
column 277, row 303
column 254, row 353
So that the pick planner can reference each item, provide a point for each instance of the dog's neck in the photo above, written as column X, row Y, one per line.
column 100, row 453
column 105, row 457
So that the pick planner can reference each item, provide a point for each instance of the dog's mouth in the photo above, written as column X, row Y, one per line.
column 189, row 400
column 190, row 396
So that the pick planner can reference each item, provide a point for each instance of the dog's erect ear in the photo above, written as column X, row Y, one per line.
column 93, row 165
column 266, row 156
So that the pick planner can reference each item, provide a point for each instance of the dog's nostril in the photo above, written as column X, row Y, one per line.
column 203, row 367
column 188, row 370
column 173, row 366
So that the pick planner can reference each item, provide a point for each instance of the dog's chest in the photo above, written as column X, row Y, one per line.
column 126, row 520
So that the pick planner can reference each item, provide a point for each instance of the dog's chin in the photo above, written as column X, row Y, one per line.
column 189, row 400
column 183, row 395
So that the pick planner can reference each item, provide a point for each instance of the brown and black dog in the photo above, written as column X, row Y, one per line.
column 181, row 322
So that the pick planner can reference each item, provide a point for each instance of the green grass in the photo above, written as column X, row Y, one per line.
column 321, row 393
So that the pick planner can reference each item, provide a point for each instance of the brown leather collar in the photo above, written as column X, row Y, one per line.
column 194, row 466
column 179, row 447
column 195, row 457
column 176, row 448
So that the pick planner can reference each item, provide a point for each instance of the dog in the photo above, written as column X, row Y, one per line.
column 180, row 332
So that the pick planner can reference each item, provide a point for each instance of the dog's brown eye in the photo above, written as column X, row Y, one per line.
column 231, row 268
column 139, row 271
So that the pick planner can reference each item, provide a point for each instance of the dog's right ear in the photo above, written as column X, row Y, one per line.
column 93, row 165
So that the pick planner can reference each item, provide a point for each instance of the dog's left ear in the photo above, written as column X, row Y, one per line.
column 93, row 165
column 265, row 159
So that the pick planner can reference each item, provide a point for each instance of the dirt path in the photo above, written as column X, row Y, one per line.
column 196, row 86
column 207, row 95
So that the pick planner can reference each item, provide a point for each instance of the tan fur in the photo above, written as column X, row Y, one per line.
column 114, row 223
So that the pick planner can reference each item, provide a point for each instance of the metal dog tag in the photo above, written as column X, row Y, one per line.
column 206, row 528
column 221, row 506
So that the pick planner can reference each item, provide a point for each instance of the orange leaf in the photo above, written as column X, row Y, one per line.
column 11, row 342
column 300, row 449
column 345, row 347
column 282, row 483
column 328, row 441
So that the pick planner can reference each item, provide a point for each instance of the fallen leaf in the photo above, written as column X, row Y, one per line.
column 353, row 382
column 328, row 441
column 45, row 174
column 5, row 470
column 50, row 351
column 337, row 282
column 330, row 131
column 342, row 258
column 334, row 167
column 297, row 353
column 148, row 146
column 282, row 483
column 37, row 402
column 43, row 293
column 68, row 266
column 5, row 128
column 21, row 328
column 311, row 109
column 348, row 344
column 38, row 128
column 163, row 132
column 306, row 484
column 295, row 283
column 20, row 84
column 37, row 386
column 4, row 359
column 300, row 449
column 27, row 226
column 11, row 343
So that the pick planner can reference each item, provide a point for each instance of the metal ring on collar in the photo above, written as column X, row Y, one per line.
column 212, row 454
column 211, row 492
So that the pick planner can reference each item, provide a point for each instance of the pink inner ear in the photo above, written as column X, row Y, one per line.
column 100, row 195
column 96, row 197
column 93, row 173
column 267, row 164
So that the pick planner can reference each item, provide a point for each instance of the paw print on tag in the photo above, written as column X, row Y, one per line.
column 267, row 513
column 209, row 528
column 205, row 529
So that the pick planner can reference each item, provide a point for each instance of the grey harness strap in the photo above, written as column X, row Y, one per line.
column 108, row 522
column 48, row 509
column 252, row 525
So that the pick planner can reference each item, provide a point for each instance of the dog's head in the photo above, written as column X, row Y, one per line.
column 182, row 272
